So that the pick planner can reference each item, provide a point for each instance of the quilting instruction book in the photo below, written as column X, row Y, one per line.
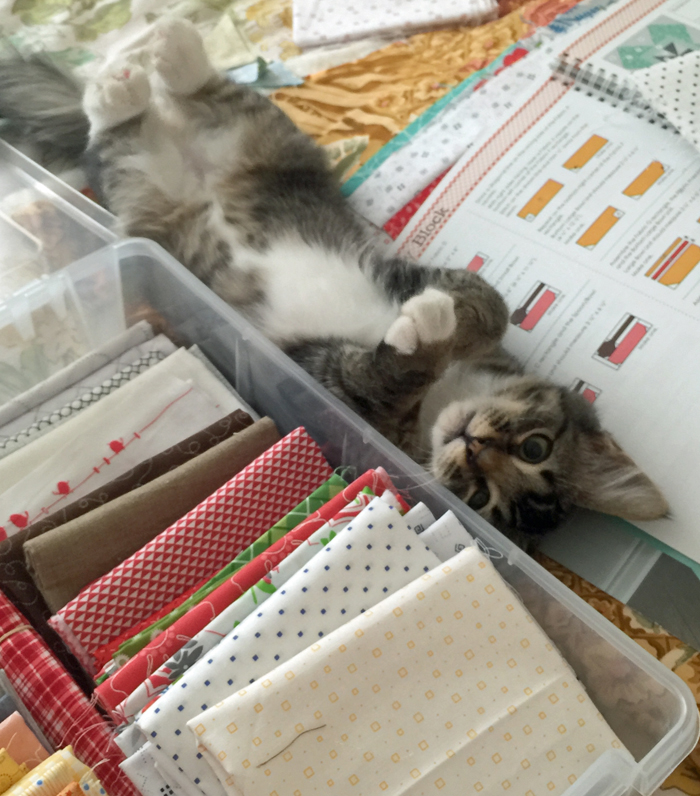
column 583, row 209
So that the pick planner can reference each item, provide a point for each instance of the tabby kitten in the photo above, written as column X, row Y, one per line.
column 226, row 183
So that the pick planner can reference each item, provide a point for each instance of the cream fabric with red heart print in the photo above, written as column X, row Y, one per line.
column 175, row 398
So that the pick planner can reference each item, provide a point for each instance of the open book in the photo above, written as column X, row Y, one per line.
column 583, row 209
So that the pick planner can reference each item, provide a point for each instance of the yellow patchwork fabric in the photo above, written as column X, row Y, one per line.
column 10, row 771
column 446, row 687
column 375, row 97
column 53, row 775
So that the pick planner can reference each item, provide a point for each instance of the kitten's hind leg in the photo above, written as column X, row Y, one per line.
column 179, row 57
column 115, row 96
column 386, row 384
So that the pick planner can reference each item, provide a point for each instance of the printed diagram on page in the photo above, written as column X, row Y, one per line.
column 654, row 43
column 587, row 219
column 588, row 391
column 622, row 341
column 534, row 306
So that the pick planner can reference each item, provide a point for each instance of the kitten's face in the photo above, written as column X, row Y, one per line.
column 525, row 455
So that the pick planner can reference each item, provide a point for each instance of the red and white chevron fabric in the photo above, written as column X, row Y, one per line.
column 195, row 547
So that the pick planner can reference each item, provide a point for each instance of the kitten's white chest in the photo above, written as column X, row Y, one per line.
column 311, row 292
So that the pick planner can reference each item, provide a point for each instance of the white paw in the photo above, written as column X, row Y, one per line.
column 425, row 319
column 179, row 56
column 116, row 96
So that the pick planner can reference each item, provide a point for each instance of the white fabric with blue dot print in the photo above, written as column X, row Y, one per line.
column 374, row 556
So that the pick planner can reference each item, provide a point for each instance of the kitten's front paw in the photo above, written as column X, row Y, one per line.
column 482, row 313
column 179, row 57
column 426, row 320
column 115, row 96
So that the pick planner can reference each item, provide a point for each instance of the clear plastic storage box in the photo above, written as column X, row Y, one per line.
column 45, row 301
column 117, row 283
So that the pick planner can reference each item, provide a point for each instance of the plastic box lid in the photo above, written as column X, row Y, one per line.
column 651, row 709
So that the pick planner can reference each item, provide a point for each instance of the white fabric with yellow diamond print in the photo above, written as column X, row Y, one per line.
column 374, row 556
column 446, row 687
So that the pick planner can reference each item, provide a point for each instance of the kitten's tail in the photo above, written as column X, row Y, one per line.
column 41, row 105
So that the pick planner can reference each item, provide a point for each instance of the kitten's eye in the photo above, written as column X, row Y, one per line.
column 479, row 499
column 535, row 449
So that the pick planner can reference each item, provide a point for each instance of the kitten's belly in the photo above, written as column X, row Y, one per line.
column 311, row 292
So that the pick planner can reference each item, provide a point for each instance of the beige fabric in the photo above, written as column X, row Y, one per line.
column 65, row 560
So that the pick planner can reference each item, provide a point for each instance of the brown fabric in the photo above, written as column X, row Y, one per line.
column 15, row 580
column 65, row 560
column 679, row 657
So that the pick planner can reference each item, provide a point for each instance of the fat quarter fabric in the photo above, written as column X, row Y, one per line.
column 281, row 528
column 51, row 776
column 129, row 739
column 176, row 397
column 204, row 641
column 318, row 22
column 120, row 530
column 666, row 87
column 60, row 709
column 373, row 556
column 106, row 528
column 206, row 603
column 376, row 480
column 172, row 774
column 447, row 686
column 323, row 525
column 195, row 546
column 10, row 771
column 230, row 582
column 446, row 536
column 90, row 390
column 64, row 379
column 141, row 770
column 20, row 741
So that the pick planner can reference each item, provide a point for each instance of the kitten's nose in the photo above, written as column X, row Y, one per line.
column 474, row 448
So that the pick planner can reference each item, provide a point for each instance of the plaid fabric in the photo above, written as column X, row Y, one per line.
column 58, row 706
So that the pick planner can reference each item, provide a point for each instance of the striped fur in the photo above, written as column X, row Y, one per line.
column 224, row 181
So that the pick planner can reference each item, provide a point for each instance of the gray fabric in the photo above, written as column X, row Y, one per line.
column 74, row 372
column 89, row 391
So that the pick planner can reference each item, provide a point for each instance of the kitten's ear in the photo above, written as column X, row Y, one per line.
column 607, row 480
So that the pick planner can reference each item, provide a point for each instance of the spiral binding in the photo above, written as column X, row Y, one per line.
column 607, row 87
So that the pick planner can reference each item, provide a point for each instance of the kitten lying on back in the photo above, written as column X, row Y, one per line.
column 226, row 183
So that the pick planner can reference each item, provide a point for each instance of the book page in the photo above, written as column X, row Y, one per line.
column 670, row 30
column 588, row 221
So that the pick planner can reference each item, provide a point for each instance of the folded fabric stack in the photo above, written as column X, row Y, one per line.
column 319, row 22
column 252, row 621
column 51, row 713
